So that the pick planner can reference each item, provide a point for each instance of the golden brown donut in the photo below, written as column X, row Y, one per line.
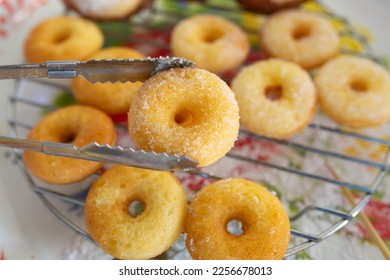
column 212, row 42
column 187, row 112
column 77, row 125
column 354, row 91
column 276, row 98
column 62, row 38
column 112, row 98
column 264, row 222
column 301, row 37
column 120, row 232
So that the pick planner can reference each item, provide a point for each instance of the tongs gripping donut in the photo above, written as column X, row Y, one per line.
column 104, row 153
column 100, row 70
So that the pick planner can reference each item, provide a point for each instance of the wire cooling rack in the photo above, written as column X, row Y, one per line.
column 302, row 171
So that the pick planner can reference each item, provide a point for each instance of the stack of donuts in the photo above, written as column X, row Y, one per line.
column 278, row 96
column 194, row 112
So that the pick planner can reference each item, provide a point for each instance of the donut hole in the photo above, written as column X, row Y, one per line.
column 184, row 117
column 359, row 86
column 301, row 31
column 62, row 36
column 234, row 227
column 213, row 35
column 273, row 93
column 136, row 208
column 68, row 137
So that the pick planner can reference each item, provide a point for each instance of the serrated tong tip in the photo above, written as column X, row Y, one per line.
column 139, row 158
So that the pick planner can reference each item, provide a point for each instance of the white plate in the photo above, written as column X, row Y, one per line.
column 29, row 231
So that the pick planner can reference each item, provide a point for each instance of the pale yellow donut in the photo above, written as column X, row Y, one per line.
column 77, row 125
column 282, row 115
column 62, row 38
column 103, row 9
column 187, row 112
column 212, row 42
column 265, row 223
column 112, row 98
column 354, row 91
column 120, row 232
column 298, row 36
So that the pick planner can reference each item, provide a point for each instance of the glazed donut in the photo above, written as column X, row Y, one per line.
column 77, row 125
column 188, row 112
column 269, row 6
column 276, row 98
column 105, row 10
column 127, row 234
column 112, row 98
column 265, row 226
column 62, row 38
column 212, row 42
column 354, row 91
column 298, row 36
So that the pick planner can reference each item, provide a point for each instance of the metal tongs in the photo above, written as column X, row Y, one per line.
column 96, row 70
column 99, row 71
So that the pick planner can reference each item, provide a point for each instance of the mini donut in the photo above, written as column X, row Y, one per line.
column 354, row 91
column 188, row 112
column 105, row 10
column 212, row 42
column 133, row 235
column 276, row 98
column 265, row 226
column 77, row 125
column 62, row 38
column 269, row 6
column 298, row 36
column 112, row 98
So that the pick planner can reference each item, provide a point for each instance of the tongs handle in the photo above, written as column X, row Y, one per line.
column 21, row 144
column 51, row 69
column 48, row 148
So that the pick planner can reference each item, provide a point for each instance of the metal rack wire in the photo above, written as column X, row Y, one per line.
column 24, row 103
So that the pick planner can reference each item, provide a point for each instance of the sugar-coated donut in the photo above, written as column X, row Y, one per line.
column 105, row 10
column 62, row 38
column 265, row 226
column 188, row 112
column 112, row 98
column 77, row 125
column 354, row 91
column 302, row 37
column 133, row 235
column 212, row 42
column 276, row 98
column 269, row 6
